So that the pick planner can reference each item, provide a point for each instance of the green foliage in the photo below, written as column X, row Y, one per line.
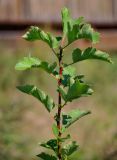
column 36, row 33
column 32, row 62
column 77, row 29
column 51, row 144
column 55, row 130
column 89, row 53
column 40, row 95
column 70, row 85
column 45, row 156
column 76, row 90
column 71, row 117
column 69, row 149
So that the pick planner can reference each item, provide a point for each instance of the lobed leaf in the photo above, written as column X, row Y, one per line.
column 51, row 144
column 36, row 33
column 39, row 94
column 45, row 156
column 69, row 70
column 71, row 117
column 87, row 32
column 90, row 53
column 76, row 90
column 32, row 62
column 76, row 29
column 69, row 149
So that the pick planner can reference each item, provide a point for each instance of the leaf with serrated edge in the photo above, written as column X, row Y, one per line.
column 32, row 62
column 39, row 94
column 36, row 33
column 51, row 144
column 70, row 148
column 76, row 90
column 45, row 156
column 90, row 53
column 71, row 117
column 76, row 29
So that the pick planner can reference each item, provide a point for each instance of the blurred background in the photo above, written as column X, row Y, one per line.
column 23, row 120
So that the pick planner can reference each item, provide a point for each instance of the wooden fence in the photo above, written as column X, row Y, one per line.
column 47, row 11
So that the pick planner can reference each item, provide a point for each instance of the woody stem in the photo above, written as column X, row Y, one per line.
column 59, row 104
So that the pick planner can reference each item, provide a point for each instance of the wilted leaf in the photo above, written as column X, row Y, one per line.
column 39, row 94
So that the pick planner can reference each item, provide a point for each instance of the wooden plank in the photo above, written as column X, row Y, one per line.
column 97, row 11
column 46, row 11
column 115, row 10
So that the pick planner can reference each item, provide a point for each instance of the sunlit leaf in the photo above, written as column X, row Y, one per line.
column 36, row 33
column 76, row 29
column 32, row 62
column 71, row 71
column 90, row 53
column 39, row 94
column 55, row 130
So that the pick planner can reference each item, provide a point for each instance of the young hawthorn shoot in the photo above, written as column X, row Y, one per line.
column 70, row 86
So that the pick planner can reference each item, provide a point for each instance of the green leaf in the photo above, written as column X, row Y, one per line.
column 55, row 130
column 78, row 89
column 45, row 156
column 65, row 138
column 76, row 29
column 39, row 94
column 87, row 32
column 63, row 93
column 71, row 117
column 70, row 148
column 32, row 62
column 69, row 70
column 51, row 144
column 90, row 53
column 65, row 18
column 36, row 33
column 75, row 90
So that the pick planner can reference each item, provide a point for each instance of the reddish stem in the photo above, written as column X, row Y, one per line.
column 59, row 105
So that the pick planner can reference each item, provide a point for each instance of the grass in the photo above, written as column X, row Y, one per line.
column 21, row 120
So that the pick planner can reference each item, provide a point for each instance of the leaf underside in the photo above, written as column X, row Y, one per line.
column 39, row 94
